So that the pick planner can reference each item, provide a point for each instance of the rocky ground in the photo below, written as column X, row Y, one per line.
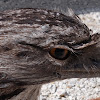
column 76, row 89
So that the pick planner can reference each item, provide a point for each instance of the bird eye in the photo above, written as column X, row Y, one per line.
column 59, row 53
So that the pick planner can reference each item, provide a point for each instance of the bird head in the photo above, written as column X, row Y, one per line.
column 39, row 46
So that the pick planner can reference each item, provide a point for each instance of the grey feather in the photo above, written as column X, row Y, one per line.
column 26, row 38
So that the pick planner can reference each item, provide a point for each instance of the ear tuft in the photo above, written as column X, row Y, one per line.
column 71, row 13
column 68, row 12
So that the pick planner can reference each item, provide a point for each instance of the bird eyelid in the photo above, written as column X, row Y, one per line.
column 62, row 47
column 58, row 46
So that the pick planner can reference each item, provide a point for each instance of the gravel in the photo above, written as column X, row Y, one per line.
column 75, row 88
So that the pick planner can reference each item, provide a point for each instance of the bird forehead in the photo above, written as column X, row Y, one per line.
column 30, row 16
column 44, row 25
column 37, row 16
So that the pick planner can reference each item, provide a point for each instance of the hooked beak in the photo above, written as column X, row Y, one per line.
column 87, row 64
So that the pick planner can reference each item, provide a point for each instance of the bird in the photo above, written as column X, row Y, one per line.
column 38, row 46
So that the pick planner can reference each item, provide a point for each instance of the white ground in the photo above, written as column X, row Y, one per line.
column 75, row 89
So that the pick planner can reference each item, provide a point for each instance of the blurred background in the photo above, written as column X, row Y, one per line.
column 79, row 6
column 89, row 12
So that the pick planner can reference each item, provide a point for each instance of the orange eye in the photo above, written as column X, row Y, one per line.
column 59, row 53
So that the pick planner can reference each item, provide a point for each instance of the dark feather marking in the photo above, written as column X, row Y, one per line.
column 14, row 93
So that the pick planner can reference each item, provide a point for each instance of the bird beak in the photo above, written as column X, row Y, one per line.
column 88, row 64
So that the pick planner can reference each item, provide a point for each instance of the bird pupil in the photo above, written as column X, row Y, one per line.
column 59, row 53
